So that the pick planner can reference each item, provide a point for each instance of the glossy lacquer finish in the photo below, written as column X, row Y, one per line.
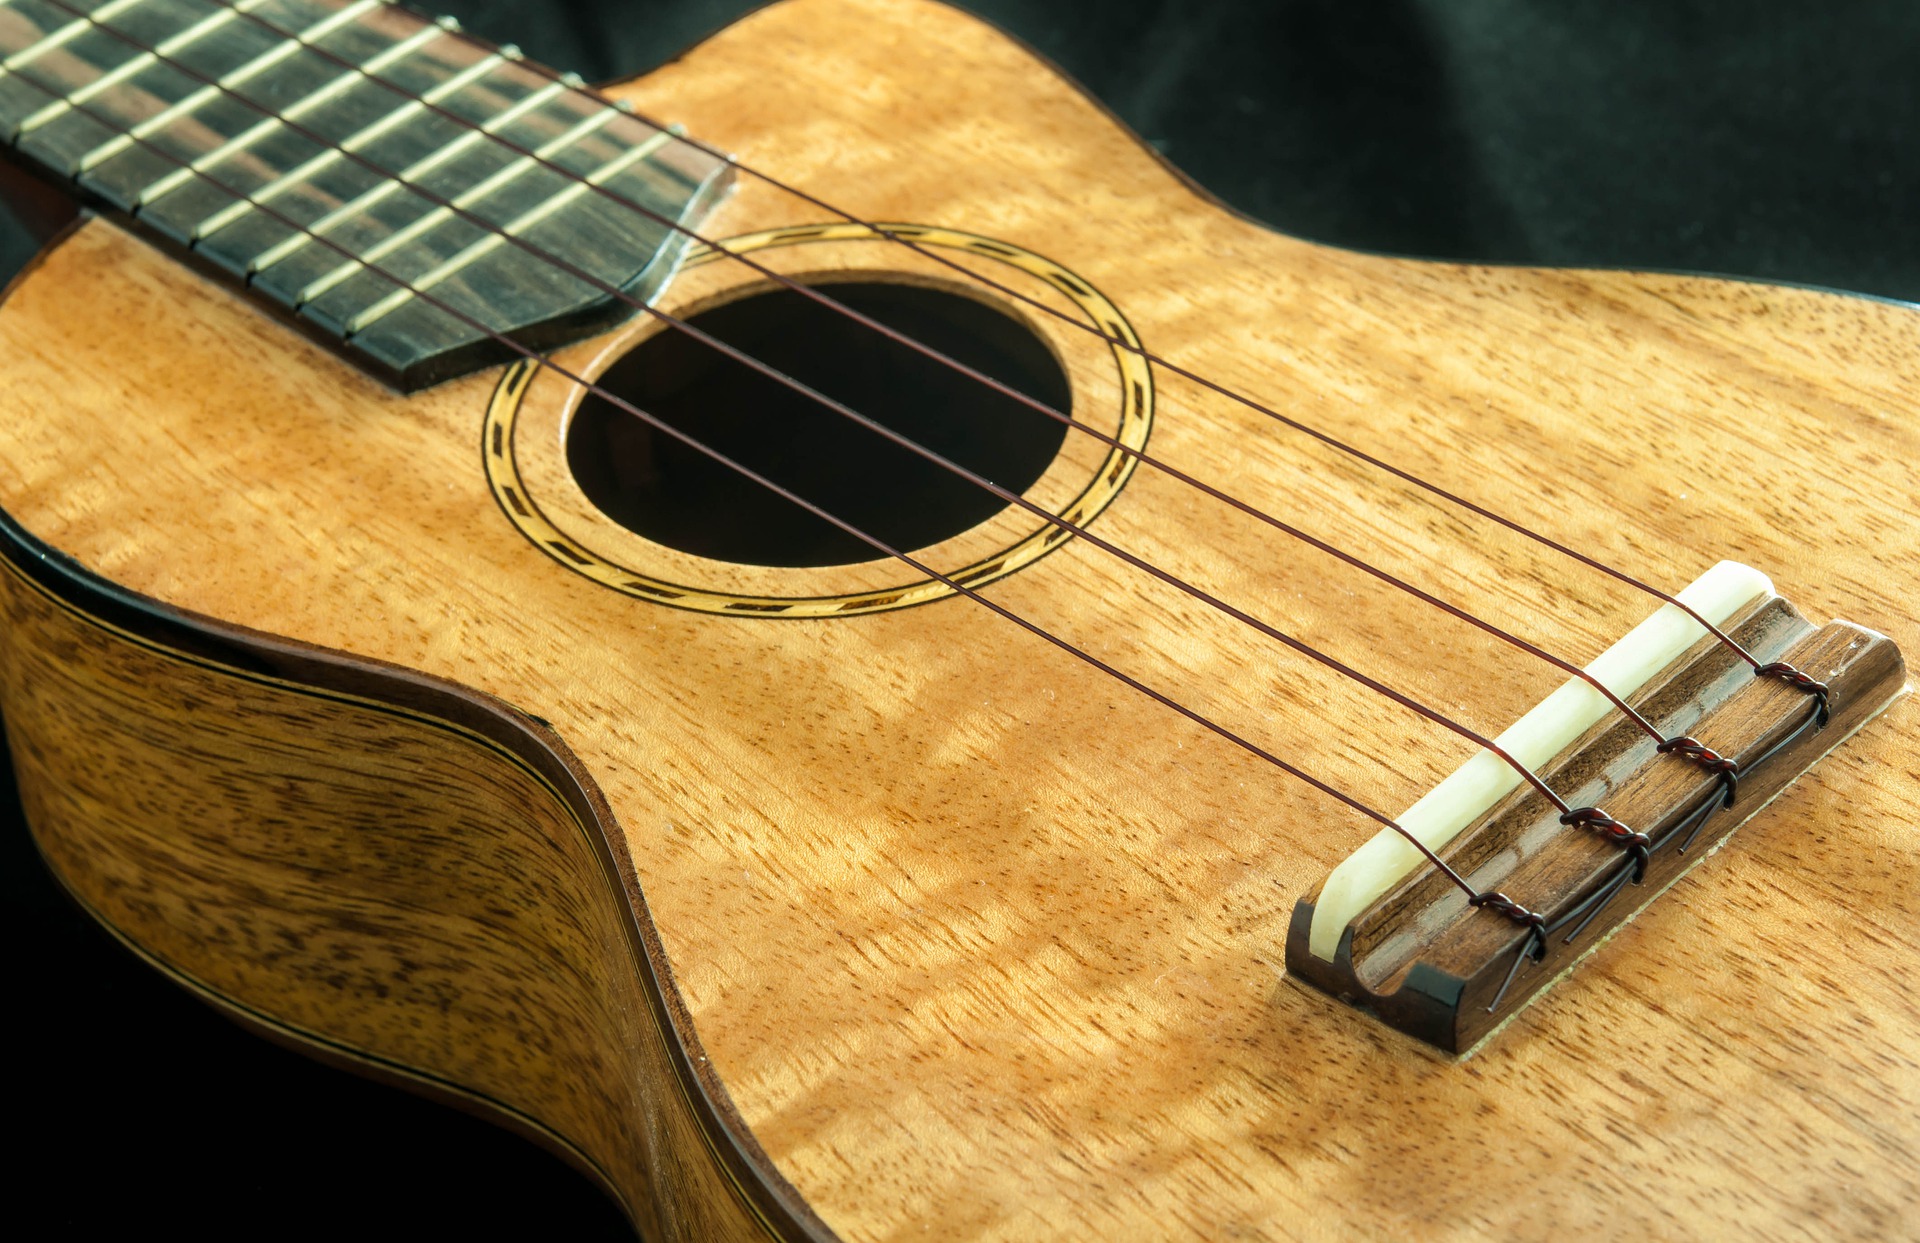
column 942, row 927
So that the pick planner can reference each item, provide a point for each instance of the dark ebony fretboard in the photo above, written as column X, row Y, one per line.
column 245, row 130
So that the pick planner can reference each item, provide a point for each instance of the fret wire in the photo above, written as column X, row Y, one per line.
column 212, row 90
column 65, row 34
column 332, row 90
column 440, row 215
column 395, row 181
column 138, row 64
column 493, row 241
column 507, row 54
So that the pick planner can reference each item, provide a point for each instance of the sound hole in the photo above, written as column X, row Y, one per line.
column 668, row 492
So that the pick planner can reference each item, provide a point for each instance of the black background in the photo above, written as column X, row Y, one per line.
column 1766, row 138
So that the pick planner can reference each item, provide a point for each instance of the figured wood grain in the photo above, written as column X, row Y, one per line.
column 976, row 939
column 374, row 883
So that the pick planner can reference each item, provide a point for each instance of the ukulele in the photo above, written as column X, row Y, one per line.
column 823, row 659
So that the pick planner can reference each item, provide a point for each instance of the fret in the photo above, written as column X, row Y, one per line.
column 220, row 87
column 422, row 163
column 131, row 122
column 135, row 65
column 347, row 80
column 466, row 199
column 513, row 228
column 44, row 48
column 610, row 243
column 60, row 37
column 355, row 142
column 278, row 254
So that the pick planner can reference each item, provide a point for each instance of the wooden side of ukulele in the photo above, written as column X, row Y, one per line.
column 941, row 929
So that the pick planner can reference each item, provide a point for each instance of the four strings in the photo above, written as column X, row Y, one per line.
column 531, row 358
column 904, row 443
column 960, row 471
column 943, row 359
column 998, row 386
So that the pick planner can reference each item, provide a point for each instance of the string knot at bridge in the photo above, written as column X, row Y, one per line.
column 1802, row 681
column 1500, row 904
column 1535, row 945
column 1638, row 844
column 1706, row 757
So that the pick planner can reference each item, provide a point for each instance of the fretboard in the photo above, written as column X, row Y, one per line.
column 402, row 192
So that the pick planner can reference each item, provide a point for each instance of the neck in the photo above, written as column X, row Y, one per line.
column 406, row 194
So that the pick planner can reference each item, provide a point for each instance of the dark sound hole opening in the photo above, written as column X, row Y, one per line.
column 673, row 494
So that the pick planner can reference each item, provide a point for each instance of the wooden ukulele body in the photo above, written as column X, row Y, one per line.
column 858, row 924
